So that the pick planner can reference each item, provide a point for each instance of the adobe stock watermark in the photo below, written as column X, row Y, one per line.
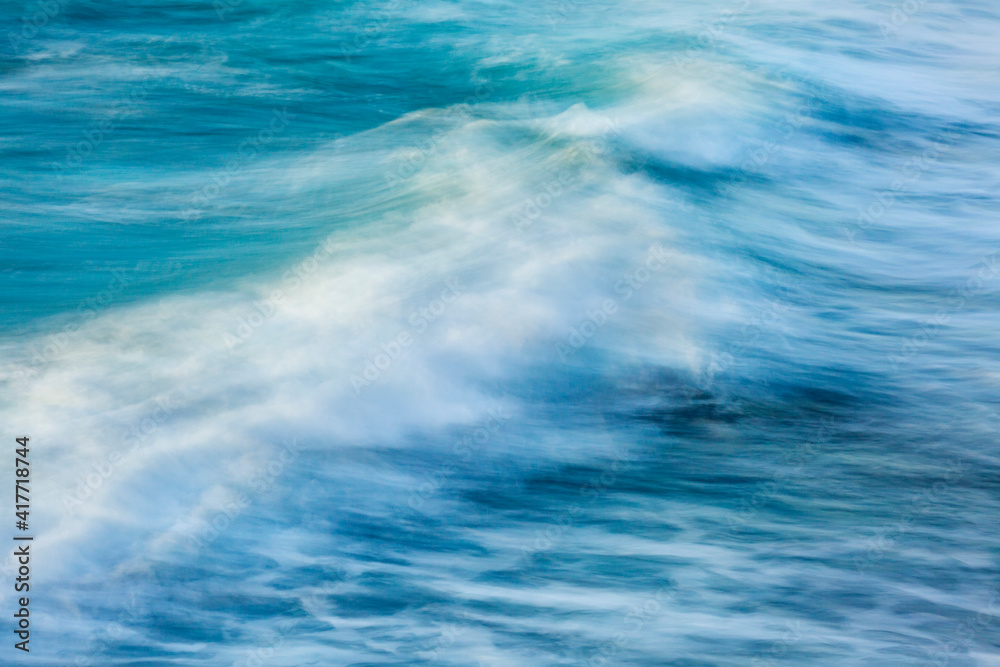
column 416, row 156
column 100, row 131
column 223, row 7
column 636, row 619
column 797, row 458
column 447, row 637
column 264, row 309
column 262, row 479
column 466, row 447
column 925, row 501
column 778, row 650
column 958, row 298
column 33, row 24
column 264, row 653
column 55, row 344
column 593, row 490
column 137, row 435
column 110, row 637
column 764, row 320
column 966, row 632
column 914, row 168
column 247, row 151
column 563, row 10
column 709, row 35
column 631, row 282
column 314, row 603
column 261, row 311
column 393, row 349
column 900, row 14
column 790, row 125
column 532, row 208
column 364, row 35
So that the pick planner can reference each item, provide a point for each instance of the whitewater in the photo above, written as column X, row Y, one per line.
column 492, row 333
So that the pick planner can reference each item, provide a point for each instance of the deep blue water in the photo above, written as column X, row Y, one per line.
column 486, row 333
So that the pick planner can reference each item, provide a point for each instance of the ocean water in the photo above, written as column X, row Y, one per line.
column 493, row 333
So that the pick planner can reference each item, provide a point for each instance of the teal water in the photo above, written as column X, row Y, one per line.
column 481, row 333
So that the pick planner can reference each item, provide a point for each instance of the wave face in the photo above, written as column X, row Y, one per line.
column 489, row 333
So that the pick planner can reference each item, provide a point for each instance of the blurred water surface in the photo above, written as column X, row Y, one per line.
column 489, row 333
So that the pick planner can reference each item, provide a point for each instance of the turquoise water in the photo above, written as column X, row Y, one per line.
column 481, row 333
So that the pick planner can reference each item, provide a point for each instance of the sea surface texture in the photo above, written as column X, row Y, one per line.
column 502, row 333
